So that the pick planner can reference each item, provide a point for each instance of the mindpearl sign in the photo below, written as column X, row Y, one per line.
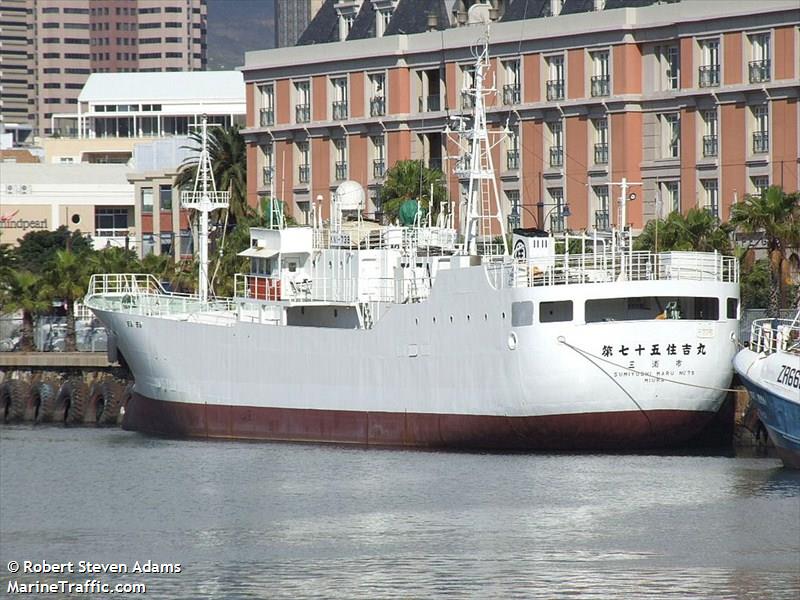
column 16, row 222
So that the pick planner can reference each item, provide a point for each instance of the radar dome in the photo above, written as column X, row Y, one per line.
column 349, row 195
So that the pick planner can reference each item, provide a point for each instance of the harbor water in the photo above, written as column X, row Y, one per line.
column 262, row 520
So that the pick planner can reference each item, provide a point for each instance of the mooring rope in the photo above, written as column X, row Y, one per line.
column 586, row 353
column 617, row 383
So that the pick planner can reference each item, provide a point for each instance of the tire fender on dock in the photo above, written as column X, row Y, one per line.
column 43, row 397
column 14, row 395
column 71, row 402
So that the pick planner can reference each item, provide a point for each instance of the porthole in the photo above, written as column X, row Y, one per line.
column 434, row 320
column 485, row 317
column 451, row 318
column 467, row 318
column 416, row 320
column 503, row 315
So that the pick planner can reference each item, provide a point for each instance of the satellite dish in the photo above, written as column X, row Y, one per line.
column 349, row 196
column 478, row 13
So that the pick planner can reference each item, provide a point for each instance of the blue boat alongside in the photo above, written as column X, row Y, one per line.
column 770, row 370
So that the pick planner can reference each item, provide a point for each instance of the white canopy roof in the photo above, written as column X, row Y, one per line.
column 164, row 87
column 258, row 252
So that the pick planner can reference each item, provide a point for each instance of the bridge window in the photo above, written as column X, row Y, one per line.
column 521, row 314
column 555, row 312
column 652, row 307
column 733, row 308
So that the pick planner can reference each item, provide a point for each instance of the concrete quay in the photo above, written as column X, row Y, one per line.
column 54, row 360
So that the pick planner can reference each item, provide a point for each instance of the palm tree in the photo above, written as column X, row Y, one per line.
column 22, row 291
column 407, row 180
column 114, row 260
column 228, row 153
column 698, row 230
column 775, row 216
column 67, row 279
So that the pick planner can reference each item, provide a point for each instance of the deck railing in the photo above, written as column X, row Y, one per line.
column 603, row 267
column 772, row 335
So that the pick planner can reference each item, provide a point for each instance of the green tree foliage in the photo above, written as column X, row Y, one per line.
column 66, row 279
column 37, row 248
column 698, row 230
column 773, row 216
column 755, row 285
column 228, row 153
column 22, row 291
column 410, row 179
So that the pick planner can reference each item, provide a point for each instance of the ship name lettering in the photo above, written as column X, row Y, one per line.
column 789, row 376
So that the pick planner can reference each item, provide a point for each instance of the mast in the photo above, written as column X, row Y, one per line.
column 204, row 198
column 483, row 200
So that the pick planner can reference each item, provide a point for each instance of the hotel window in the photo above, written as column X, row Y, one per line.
column 670, row 135
column 382, row 18
column 555, row 77
column 670, row 198
column 602, row 212
column 339, row 104
column 760, row 184
column 708, row 73
column 558, row 217
column 377, row 98
column 267, row 105
column 759, row 67
column 514, row 209
column 710, row 139
column 165, row 197
column 340, row 156
column 600, row 141
column 302, row 101
column 601, row 80
column 303, row 163
column 511, row 89
column 555, row 129
column 147, row 201
column 760, row 129
column 512, row 148
column 672, row 62
column 378, row 156
column 711, row 196
column 268, row 168
column 467, row 85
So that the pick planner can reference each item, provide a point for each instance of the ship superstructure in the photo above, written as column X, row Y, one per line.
column 434, row 335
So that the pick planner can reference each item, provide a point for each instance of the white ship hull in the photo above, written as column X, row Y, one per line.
column 452, row 371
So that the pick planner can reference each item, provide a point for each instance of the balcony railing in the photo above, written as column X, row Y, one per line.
column 267, row 174
column 512, row 160
column 710, row 144
column 556, row 156
column 302, row 113
column 377, row 106
column 429, row 103
column 601, row 85
column 303, row 173
column 601, row 154
column 378, row 168
column 759, row 70
column 339, row 110
column 557, row 223
column 760, row 142
column 602, row 221
column 341, row 170
column 555, row 89
column 708, row 75
column 511, row 93
column 467, row 100
column 267, row 117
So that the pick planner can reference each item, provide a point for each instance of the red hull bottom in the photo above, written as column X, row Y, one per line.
column 624, row 430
